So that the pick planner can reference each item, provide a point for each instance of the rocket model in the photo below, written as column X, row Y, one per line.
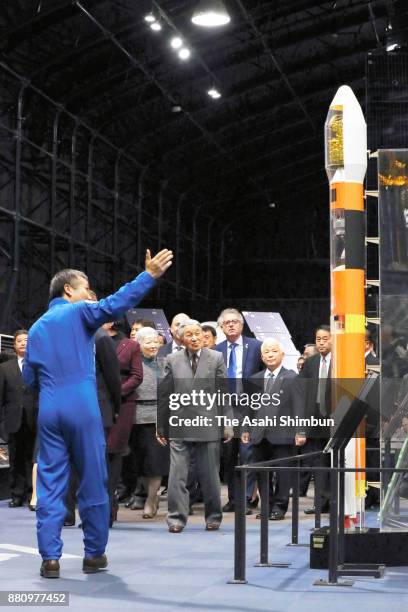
column 346, row 165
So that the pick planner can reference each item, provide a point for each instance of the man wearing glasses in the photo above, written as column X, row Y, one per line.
column 242, row 356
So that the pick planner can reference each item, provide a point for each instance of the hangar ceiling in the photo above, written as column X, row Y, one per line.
column 242, row 176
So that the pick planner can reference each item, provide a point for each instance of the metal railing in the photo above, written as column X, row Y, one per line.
column 336, row 502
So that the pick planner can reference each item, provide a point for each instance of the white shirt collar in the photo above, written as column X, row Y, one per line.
column 239, row 342
column 275, row 373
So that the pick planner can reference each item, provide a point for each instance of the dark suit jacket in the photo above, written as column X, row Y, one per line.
column 108, row 382
column 310, row 382
column 165, row 350
column 16, row 398
column 371, row 360
column 251, row 358
column 291, row 404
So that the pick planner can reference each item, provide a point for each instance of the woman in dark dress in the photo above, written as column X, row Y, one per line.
column 151, row 460
column 131, row 371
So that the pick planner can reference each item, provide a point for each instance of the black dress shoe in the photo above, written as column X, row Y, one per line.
column 92, row 565
column 229, row 507
column 137, row 504
column 130, row 501
column 276, row 515
column 324, row 510
column 176, row 528
column 253, row 503
column 32, row 507
column 123, row 496
column 50, row 569
column 16, row 502
column 69, row 522
column 212, row 526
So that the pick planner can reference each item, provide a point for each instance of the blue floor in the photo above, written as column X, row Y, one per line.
column 150, row 569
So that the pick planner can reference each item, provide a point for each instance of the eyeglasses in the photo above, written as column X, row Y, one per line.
column 231, row 322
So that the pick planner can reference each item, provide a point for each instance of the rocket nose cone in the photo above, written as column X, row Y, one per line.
column 345, row 97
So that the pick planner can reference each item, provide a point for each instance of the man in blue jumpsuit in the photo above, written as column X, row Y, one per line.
column 60, row 361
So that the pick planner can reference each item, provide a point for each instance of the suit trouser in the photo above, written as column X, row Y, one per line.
column 322, row 479
column 279, row 486
column 70, row 430
column 208, row 467
column 237, row 453
column 20, row 446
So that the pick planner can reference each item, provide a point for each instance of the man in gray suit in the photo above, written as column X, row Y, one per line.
column 189, row 374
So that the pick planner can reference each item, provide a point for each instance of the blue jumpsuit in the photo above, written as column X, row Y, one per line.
column 60, row 360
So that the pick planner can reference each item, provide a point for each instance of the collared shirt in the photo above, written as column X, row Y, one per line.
column 239, row 355
column 328, row 360
column 20, row 363
column 274, row 373
column 176, row 347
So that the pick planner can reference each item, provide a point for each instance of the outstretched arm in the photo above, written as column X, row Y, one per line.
column 128, row 296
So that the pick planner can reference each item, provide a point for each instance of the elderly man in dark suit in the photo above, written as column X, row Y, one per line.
column 270, row 442
column 316, row 376
column 194, row 370
column 19, row 404
column 176, row 344
column 242, row 356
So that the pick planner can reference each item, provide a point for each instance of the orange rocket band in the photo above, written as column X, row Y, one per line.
column 347, row 196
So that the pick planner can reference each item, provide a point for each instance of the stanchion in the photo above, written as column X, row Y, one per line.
column 264, row 553
column 333, row 531
column 295, row 508
column 318, row 497
column 240, row 528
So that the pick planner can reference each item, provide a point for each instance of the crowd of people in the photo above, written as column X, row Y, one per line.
column 134, row 456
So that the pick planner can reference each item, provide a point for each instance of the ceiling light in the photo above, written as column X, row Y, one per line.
column 184, row 53
column 176, row 42
column 210, row 14
column 150, row 18
column 214, row 93
column 156, row 26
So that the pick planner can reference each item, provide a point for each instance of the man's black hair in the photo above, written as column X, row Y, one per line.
column 62, row 278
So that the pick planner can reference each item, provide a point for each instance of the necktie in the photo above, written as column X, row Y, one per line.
column 232, row 368
column 194, row 360
column 321, row 391
column 269, row 383
column 232, row 365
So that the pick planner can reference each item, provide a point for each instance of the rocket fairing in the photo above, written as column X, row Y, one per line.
column 346, row 165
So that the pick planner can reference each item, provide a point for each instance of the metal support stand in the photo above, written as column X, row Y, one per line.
column 295, row 509
column 334, row 530
column 337, row 567
column 240, row 528
column 318, row 498
column 264, row 492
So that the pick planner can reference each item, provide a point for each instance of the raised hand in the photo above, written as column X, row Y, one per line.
column 157, row 265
